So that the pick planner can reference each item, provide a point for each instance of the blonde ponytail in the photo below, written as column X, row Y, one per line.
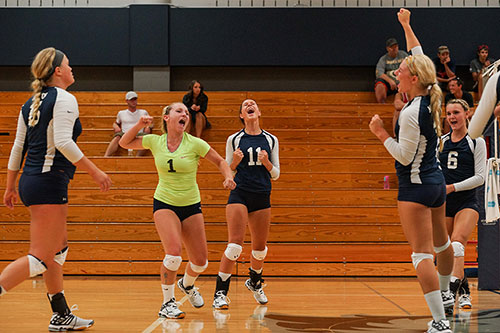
column 422, row 66
column 436, row 95
column 40, row 68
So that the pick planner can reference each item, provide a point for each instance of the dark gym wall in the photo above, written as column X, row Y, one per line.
column 256, row 44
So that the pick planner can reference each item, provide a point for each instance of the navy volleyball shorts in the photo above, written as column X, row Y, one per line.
column 429, row 195
column 456, row 201
column 182, row 212
column 48, row 188
column 252, row 200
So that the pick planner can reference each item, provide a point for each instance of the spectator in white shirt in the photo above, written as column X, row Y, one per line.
column 125, row 120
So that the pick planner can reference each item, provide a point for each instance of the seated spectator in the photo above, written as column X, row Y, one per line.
column 125, row 120
column 386, row 83
column 455, row 87
column 445, row 67
column 479, row 63
column 196, row 101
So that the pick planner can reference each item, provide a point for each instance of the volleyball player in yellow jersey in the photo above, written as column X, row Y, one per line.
column 177, row 210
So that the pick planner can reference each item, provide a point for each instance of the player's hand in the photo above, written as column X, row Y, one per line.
column 263, row 157
column 145, row 121
column 237, row 156
column 404, row 16
column 450, row 188
column 376, row 124
column 10, row 198
column 229, row 184
column 102, row 179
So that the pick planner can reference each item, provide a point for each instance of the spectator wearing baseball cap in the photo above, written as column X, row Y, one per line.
column 445, row 67
column 385, row 80
column 479, row 63
column 125, row 120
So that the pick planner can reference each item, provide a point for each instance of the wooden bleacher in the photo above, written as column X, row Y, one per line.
column 330, row 216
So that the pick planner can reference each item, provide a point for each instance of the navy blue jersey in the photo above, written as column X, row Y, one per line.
column 251, row 175
column 58, row 126
column 416, row 145
column 463, row 164
column 457, row 159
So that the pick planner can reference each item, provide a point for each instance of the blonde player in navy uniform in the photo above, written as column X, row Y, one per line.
column 463, row 161
column 176, row 205
column 47, row 129
column 254, row 154
column 422, row 190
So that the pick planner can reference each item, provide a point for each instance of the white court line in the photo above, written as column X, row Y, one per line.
column 159, row 321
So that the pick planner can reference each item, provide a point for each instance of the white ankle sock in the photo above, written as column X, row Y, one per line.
column 453, row 279
column 224, row 276
column 444, row 282
column 435, row 304
column 258, row 271
column 168, row 292
column 188, row 280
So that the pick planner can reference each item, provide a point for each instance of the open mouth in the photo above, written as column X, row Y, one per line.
column 182, row 122
column 250, row 111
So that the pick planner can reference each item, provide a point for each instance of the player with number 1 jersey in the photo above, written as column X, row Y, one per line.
column 176, row 205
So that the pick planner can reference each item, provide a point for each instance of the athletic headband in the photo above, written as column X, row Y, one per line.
column 55, row 63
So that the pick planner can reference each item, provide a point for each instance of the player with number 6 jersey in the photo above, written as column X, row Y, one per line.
column 254, row 155
column 176, row 205
column 463, row 161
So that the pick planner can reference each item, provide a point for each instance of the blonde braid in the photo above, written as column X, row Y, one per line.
column 40, row 67
column 436, row 96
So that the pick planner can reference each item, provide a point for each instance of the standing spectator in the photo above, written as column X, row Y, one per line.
column 125, row 120
column 386, row 83
column 176, row 205
column 479, row 63
column 47, row 129
column 455, row 87
column 196, row 101
column 445, row 67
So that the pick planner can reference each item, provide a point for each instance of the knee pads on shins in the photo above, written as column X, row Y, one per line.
column 458, row 249
column 36, row 265
column 440, row 249
column 259, row 255
column 172, row 263
column 60, row 256
column 417, row 258
column 233, row 251
column 198, row 269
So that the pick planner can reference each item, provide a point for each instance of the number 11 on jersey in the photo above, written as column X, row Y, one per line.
column 250, row 156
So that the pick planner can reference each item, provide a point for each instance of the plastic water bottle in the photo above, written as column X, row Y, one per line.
column 386, row 183
column 130, row 152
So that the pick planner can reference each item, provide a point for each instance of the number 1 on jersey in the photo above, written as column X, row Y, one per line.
column 171, row 164
column 250, row 156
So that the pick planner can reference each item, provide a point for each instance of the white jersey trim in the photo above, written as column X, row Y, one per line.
column 65, row 115
column 16, row 153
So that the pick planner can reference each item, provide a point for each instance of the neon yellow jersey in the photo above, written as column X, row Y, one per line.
column 176, row 170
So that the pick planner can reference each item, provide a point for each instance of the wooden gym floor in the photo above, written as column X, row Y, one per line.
column 123, row 304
